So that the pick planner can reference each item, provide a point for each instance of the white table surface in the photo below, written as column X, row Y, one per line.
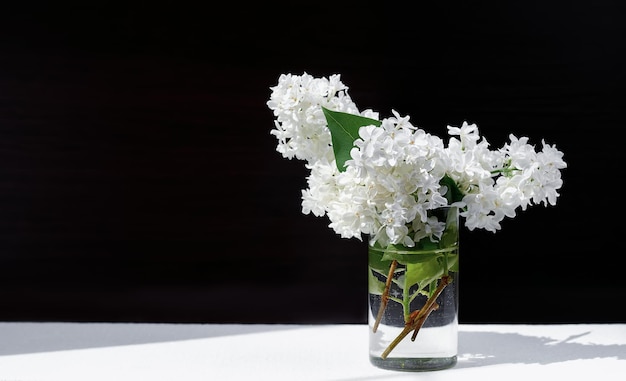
column 220, row 352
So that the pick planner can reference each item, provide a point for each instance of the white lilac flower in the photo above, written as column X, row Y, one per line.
column 400, row 162
column 300, row 126
column 393, row 178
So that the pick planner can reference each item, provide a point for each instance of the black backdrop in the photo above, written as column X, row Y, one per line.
column 139, row 181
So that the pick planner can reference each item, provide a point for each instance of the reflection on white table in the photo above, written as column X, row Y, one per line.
column 190, row 352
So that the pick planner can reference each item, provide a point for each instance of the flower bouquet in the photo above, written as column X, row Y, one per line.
column 404, row 189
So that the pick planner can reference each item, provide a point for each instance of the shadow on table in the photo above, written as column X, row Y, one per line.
column 21, row 338
column 478, row 349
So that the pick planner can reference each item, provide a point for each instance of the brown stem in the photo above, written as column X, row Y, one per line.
column 418, row 320
column 385, row 296
column 420, row 323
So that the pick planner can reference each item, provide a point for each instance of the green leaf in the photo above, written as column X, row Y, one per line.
column 453, row 263
column 453, row 194
column 375, row 286
column 344, row 130
column 376, row 261
column 426, row 272
column 450, row 236
column 423, row 273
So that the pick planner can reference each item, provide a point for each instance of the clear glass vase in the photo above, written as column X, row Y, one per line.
column 413, row 301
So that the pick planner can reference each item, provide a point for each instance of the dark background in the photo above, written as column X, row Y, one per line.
column 139, row 180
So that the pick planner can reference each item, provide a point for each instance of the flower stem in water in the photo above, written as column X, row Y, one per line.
column 385, row 296
column 417, row 318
